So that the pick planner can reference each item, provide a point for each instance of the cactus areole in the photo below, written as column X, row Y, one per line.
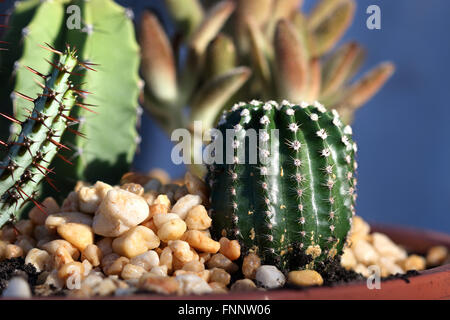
column 298, row 196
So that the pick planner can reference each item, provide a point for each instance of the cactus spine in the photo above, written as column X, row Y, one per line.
column 39, row 140
column 298, row 196
column 102, row 31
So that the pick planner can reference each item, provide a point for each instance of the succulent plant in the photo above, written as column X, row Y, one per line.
column 30, row 154
column 298, row 194
column 268, row 49
column 105, row 34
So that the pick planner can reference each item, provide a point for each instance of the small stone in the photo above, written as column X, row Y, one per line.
column 135, row 242
column 436, row 256
column 198, row 219
column 53, row 221
column 89, row 198
column 220, row 261
column 158, row 284
column 131, row 271
column 269, row 277
column 54, row 281
column 244, row 285
column 200, row 241
column 305, row 278
column 146, row 260
column 105, row 288
column 53, row 245
column 79, row 235
column 192, row 284
column 219, row 275
column 250, row 264
column 38, row 216
column 387, row 248
column 217, row 287
column 348, row 260
column 17, row 288
column 133, row 188
column 159, row 270
column 186, row 203
column 230, row 248
column 365, row 253
column 119, row 211
column 359, row 231
column 389, row 267
column 40, row 259
column 414, row 262
column 172, row 230
column 362, row 269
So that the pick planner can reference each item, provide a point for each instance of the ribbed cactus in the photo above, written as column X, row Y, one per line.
column 299, row 195
column 102, row 31
column 28, row 157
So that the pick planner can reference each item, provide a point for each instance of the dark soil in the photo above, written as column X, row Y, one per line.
column 334, row 274
column 17, row 267
column 405, row 277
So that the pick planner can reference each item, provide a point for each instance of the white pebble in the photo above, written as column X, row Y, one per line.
column 17, row 288
column 186, row 203
column 119, row 211
column 387, row 248
column 269, row 277
column 193, row 284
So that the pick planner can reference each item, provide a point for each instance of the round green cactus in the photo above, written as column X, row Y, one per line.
column 297, row 197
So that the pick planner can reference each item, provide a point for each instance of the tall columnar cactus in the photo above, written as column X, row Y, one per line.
column 299, row 195
column 29, row 155
column 102, row 31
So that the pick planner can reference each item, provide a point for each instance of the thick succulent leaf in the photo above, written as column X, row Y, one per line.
column 364, row 89
column 210, row 26
column 282, row 9
column 322, row 11
column 212, row 97
column 340, row 66
column 158, row 64
column 187, row 14
column 291, row 63
column 261, row 53
column 259, row 11
column 330, row 30
column 301, row 24
column 314, row 80
column 203, row 35
column 221, row 56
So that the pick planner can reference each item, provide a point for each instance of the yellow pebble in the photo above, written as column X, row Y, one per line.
column 436, row 255
column 305, row 278
column 414, row 262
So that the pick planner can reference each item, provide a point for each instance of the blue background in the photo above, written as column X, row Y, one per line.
column 403, row 133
